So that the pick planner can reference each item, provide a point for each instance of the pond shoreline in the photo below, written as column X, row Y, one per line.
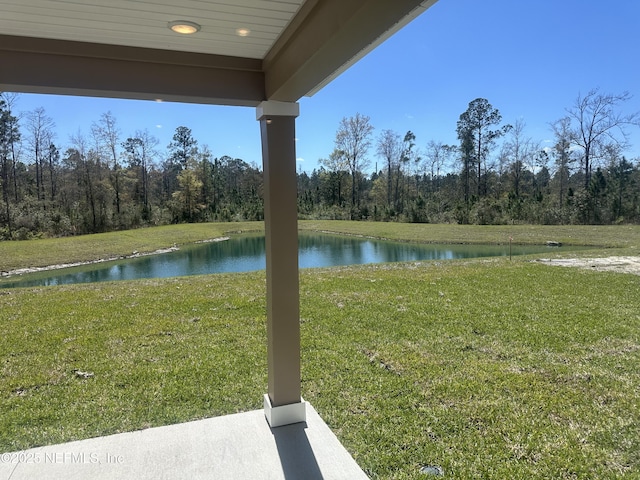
column 135, row 254
column 624, row 264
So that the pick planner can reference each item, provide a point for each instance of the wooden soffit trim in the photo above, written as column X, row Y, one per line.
column 326, row 37
column 38, row 65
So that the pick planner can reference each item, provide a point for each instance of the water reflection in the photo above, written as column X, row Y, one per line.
column 247, row 253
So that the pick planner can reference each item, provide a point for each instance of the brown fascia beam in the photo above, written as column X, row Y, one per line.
column 36, row 65
column 326, row 37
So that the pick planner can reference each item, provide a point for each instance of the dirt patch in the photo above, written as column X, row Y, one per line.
column 604, row 264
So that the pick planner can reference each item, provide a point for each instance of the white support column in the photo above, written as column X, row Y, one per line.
column 283, row 404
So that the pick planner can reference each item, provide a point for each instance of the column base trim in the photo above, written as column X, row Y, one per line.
column 284, row 414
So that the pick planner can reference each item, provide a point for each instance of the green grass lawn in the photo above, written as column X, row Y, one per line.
column 626, row 236
column 487, row 368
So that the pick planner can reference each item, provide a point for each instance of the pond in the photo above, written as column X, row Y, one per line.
column 247, row 252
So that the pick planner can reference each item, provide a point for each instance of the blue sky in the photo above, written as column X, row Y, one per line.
column 529, row 59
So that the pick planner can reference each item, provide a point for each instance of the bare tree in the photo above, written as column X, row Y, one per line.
column 521, row 154
column 107, row 134
column 598, row 123
column 40, row 127
column 353, row 140
column 389, row 147
column 437, row 156
column 78, row 157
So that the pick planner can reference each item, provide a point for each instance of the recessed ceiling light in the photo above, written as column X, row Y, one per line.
column 184, row 27
column 243, row 32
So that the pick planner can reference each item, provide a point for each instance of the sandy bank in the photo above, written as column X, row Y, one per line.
column 604, row 264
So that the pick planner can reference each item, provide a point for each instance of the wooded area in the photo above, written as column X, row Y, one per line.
column 105, row 180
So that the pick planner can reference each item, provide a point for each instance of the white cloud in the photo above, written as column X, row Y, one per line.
column 299, row 159
column 158, row 126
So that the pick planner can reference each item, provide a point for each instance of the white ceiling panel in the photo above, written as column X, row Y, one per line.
column 143, row 23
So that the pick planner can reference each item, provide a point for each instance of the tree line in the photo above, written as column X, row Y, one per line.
column 495, row 174
column 103, row 180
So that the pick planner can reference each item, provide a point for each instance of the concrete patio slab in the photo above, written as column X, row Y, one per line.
column 235, row 446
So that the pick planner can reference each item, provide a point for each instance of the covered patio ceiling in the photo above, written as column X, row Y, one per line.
column 262, row 53
column 246, row 51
